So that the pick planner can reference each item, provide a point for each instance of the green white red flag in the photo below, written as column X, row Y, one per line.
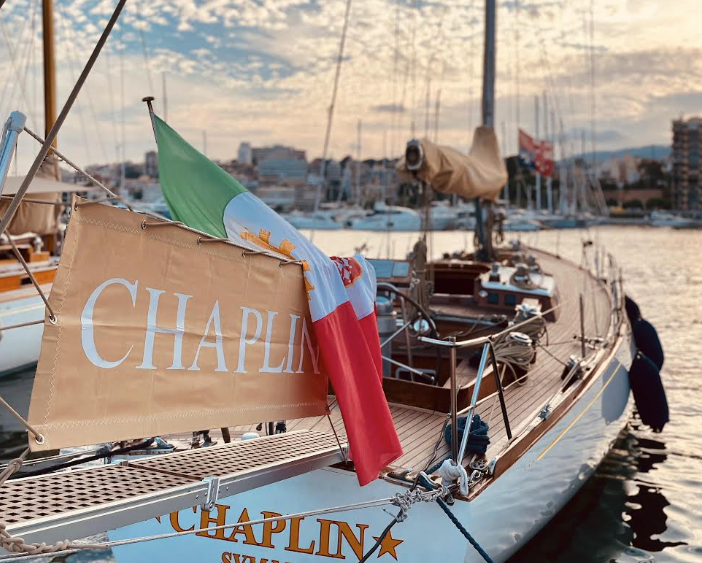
column 341, row 291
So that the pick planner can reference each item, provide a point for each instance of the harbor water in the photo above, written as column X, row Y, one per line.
column 643, row 503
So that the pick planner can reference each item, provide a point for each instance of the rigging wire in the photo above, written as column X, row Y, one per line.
column 395, row 57
column 70, row 66
column 330, row 114
column 71, row 40
column 123, row 148
column 14, row 69
column 144, row 50
column 471, row 72
column 111, row 96
column 413, row 69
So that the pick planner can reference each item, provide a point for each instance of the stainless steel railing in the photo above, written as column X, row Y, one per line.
column 11, row 130
column 488, row 352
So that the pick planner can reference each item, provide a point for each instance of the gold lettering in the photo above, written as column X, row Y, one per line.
column 294, row 544
column 344, row 533
column 270, row 528
column 229, row 557
column 356, row 544
column 220, row 520
column 176, row 524
column 246, row 530
column 324, row 538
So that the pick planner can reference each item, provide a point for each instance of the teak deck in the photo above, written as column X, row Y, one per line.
column 419, row 429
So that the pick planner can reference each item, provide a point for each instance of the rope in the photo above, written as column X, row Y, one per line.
column 23, row 422
column 330, row 114
column 22, row 550
column 102, row 454
column 22, row 325
column 39, row 201
column 466, row 534
column 478, row 438
column 13, row 466
column 379, row 541
column 338, row 442
column 463, row 531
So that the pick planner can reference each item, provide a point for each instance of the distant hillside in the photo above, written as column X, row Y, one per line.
column 657, row 152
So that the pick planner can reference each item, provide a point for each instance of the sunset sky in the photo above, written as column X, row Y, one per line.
column 262, row 71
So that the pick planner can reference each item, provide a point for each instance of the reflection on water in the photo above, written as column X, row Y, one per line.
column 643, row 503
column 619, row 515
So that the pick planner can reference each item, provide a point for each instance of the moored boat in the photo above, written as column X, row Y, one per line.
column 388, row 218
column 503, row 375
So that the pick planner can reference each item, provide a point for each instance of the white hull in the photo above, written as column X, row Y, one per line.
column 502, row 518
column 519, row 225
column 307, row 222
column 19, row 347
column 409, row 223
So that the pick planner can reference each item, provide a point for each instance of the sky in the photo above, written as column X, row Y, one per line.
column 614, row 71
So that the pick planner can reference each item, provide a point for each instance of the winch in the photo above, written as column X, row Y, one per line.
column 387, row 325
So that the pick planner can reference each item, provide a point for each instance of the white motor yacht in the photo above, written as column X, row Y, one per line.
column 389, row 218
column 321, row 220
column 663, row 219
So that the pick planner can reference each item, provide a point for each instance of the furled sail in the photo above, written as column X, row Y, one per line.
column 158, row 332
column 37, row 218
column 482, row 173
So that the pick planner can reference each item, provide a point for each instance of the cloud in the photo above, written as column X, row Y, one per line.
column 263, row 70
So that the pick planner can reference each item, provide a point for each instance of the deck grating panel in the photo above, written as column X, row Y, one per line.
column 58, row 494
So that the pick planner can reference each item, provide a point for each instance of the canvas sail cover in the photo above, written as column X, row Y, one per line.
column 37, row 218
column 482, row 173
column 158, row 332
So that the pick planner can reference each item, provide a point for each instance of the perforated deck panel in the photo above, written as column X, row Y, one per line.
column 75, row 504
column 49, row 495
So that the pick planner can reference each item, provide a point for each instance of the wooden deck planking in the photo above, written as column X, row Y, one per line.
column 418, row 429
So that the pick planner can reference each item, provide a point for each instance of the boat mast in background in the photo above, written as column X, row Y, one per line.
column 47, row 12
column 483, row 229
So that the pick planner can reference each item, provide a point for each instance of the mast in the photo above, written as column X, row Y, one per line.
column 547, row 141
column 536, row 139
column 358, row 164
column 437, row 109
column 482, row 228
column 47, row 13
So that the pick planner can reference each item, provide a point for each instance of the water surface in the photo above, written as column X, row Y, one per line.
column 644, row 503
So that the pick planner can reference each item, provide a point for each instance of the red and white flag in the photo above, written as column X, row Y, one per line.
column 544, row 163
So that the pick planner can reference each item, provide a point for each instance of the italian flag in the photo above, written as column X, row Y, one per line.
column 341, row 290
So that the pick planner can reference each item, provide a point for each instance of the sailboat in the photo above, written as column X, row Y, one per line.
column 507, row 372
column 34, row 236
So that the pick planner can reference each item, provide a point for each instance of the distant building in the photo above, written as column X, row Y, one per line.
column 151, row 164
column 245, row 154
column 686, row 163
column 289, row 171
column 622, row 171
column 280, row 198
column 259, row 154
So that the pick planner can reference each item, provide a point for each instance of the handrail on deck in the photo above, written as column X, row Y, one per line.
column 488, row 351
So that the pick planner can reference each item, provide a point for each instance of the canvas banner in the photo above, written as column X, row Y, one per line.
column 158, row 332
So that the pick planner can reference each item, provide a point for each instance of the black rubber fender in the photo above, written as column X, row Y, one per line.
column 632, row 309
column 649, row 394
column 648, row 342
